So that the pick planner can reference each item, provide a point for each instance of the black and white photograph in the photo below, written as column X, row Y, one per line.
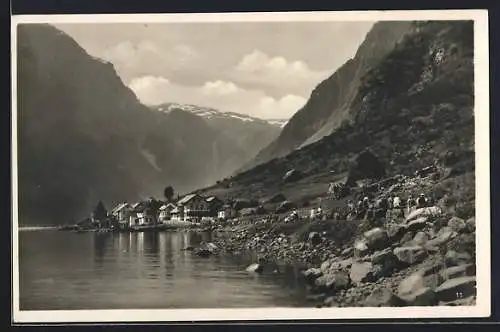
column 250, row 166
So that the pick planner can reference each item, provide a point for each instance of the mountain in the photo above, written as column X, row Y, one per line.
column 248, row 133
column 330, row 102
column 412, row 109
column 83, row 136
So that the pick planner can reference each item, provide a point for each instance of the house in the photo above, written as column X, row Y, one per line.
column 226, row 212
column 166, row 212
column 192, row 208
column 139, row 215
column 214, row 205
column 121, row 213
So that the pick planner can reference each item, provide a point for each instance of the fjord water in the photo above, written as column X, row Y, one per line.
column 66, row 270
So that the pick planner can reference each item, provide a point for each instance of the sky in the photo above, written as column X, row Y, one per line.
column 261, row 69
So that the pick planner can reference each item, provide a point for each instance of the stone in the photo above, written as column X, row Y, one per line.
column 330, row 302
column 420, row 238
column 470, row 225
column 453, row 258
column 457, row 224
column 347, row 252
column 410, row 284
column 455, row 289
column 314, row 238
column 325, row 266
column 361, row 272
column 407, row 238
column 312, row 274
column 360, row 248
column 430, row 269
column 376, row 239
column 396, row 232
column 417, row 224
column 383, row 297
column 202, row 252
column 432, row 211
column 410, row 255
column 444, row 235
column 386, row 262
column 332, row 282
column 464, row 270
column 255, row 268
column 424, row 296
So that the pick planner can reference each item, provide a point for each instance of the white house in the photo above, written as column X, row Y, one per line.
column 166, row 212
column 191, row 208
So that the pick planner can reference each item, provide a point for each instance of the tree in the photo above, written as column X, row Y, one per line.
column 168, row 193
column 100, row 212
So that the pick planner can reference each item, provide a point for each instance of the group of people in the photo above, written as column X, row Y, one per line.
column 366, row 208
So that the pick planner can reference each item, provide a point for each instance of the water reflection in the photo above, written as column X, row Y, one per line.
column 143, row 270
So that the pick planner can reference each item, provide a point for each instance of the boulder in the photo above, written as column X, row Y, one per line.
column 202, row 252
column 325, row 266
column 457, row 224
column 424, row 296
column 382, row 297
column 361, row 272
column 376, row 239
column 347, row 252
column 314, row 238
column 360, row 248
column 413, row 284
column 255, row 268
column 407, row 238
column 330, row 302
column 396, row 232
column 444, row 235
column 432, row 211
column 420, row 239
column 410, row 255
column 385, row 261
column 312, row 274
column 332, row 282
column 464, row 270
column 470, row 225
column 455, row 289
column 453, row 258
column 417, row 224
column 430, row 269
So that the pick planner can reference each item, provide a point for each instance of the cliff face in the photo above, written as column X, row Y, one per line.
column 329, row 103
column 83, row 136
column 413, row 108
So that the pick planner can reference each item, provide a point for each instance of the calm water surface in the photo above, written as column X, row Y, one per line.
column 65, row 270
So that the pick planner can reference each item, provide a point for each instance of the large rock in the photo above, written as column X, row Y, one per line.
column 203, row 252
column 470, row 225
column 382, row 297
column 396, row 232
column 457, row 224
column 312, row 274
column 453, row 258
column 432, row 211
column 376, row 239
column 420, row 239
column 444, row 235
column 455, row 289
column 424, row 296
column 360, row 248
column 410, row 255
column 385, row 261
column 417, row 224
column 465, row 270
column 361, row 272
column 255, row 268
column 332, row 282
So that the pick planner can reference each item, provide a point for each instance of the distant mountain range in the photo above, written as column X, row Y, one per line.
column 83, row 136
column 212, row 114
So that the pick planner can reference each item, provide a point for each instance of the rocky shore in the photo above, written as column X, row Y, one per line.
column 426, row 258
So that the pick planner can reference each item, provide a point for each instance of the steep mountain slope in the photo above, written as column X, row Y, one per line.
column 415, row 108
column 83, row 136
column 248, row 133
column 329, row 103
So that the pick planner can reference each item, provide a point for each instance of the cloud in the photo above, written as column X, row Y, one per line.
column 293, row 76
column 224, row 96
column 148, row 58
